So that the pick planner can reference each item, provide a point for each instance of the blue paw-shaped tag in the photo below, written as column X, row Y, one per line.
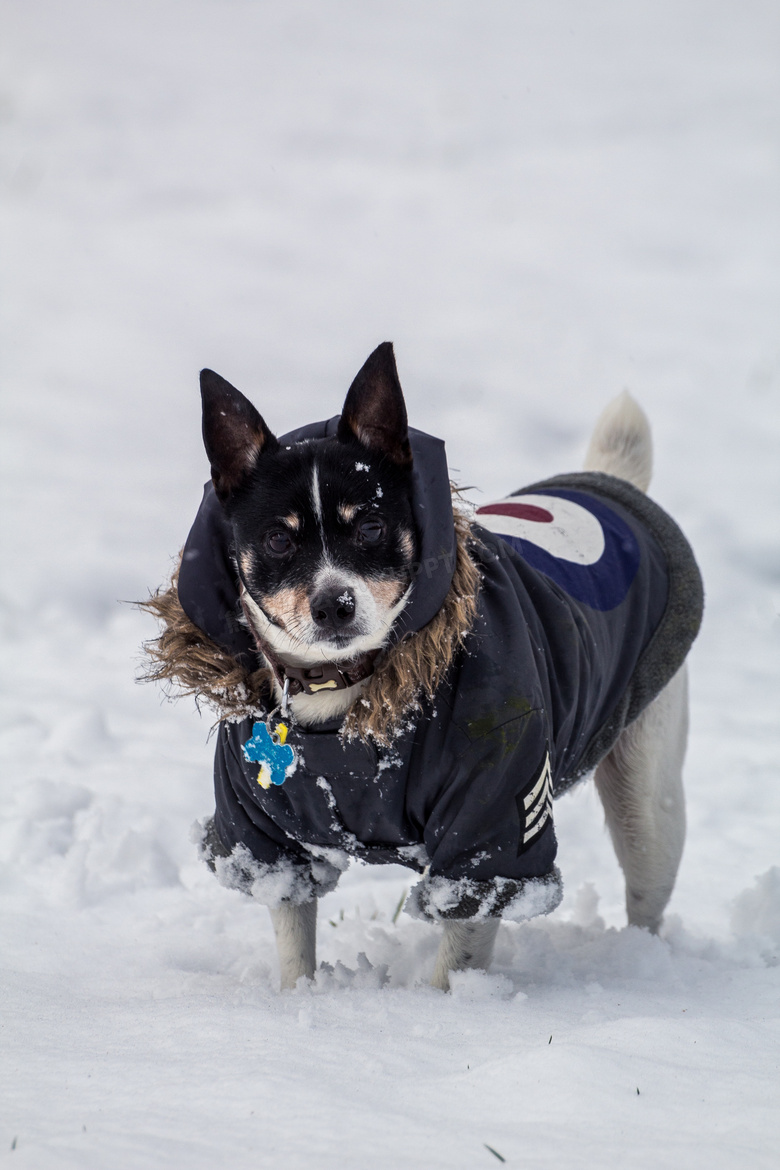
column 270, row 750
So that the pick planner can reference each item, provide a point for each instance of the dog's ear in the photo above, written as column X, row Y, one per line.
column 234, row 434
column 374, row 411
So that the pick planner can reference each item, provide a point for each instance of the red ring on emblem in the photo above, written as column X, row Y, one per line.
column 519, row 511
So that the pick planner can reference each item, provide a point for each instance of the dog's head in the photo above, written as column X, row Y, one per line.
column 324, row 536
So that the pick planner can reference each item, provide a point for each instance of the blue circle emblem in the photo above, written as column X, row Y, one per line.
column 573, row 538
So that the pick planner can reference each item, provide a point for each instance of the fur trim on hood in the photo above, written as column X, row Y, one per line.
column 190, row 663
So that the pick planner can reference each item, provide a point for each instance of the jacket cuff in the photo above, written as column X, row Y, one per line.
column 270, row 883
column 441, row 899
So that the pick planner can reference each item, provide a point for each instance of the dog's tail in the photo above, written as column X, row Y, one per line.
column 621, row 443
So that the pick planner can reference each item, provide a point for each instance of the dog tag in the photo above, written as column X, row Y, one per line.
column 271, row 751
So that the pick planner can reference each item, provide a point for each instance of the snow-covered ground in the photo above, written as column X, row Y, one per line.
column 539, row 203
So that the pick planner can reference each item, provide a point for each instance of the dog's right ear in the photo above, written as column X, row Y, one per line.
column 234, row 434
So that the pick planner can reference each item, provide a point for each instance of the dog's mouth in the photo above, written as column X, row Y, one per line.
column 338, row 641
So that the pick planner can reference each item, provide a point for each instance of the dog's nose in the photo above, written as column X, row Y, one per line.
column 333, row 608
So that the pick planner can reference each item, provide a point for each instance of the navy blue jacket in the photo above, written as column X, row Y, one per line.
column 589, row 602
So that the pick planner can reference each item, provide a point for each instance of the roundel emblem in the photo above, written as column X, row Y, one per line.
column 571, row 537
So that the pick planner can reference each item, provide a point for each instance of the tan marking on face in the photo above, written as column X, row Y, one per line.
column 348, row 512
column 386, row 593
column 289, row 608
column 247, row 562
column 292, row 521
column 407, row 544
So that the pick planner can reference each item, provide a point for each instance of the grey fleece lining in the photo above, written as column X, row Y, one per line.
column 667, row 649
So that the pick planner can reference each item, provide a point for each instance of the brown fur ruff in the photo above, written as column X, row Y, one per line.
column 184, row 657
column 190, row 663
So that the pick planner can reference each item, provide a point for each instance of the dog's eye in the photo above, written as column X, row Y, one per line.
column 279, row 542
column 371, row 530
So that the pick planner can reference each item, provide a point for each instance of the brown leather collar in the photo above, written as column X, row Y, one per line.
column 323, row 676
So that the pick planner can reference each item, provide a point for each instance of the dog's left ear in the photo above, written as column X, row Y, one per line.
column 234, row 433
column 374, row 411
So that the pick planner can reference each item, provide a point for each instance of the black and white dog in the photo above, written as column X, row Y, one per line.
column 402, row 681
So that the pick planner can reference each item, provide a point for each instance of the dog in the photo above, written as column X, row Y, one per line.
column 400, row 680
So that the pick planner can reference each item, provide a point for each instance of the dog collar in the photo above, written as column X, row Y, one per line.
column 322, row 676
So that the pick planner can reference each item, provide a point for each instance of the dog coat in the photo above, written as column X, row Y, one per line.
column 590, row 600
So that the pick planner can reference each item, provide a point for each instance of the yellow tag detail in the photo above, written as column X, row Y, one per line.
column 331, row 684
column 281, row 731
column 264, row 776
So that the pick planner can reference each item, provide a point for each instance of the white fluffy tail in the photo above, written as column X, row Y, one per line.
column 621, row 443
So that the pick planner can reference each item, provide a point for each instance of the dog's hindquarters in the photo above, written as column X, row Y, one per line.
column 640, row 781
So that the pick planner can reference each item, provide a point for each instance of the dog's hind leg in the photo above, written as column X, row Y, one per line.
column 295, row 926
column 464, row 945
column 640, row 785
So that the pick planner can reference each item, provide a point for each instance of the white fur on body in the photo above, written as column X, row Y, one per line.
column 639, row 782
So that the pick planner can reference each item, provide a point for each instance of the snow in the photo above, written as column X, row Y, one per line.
column 540, row 204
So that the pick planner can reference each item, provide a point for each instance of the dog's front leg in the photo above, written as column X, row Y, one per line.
column 295, row 926
column 464, row 945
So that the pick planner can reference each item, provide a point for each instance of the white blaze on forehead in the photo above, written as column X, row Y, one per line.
column 316, row 499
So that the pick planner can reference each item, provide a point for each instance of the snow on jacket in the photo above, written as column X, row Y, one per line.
column 589, row 602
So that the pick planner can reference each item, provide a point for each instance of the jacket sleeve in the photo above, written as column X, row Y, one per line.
column 244, row 847
column 490, row 833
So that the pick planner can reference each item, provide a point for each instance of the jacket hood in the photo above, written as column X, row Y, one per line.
column 208, row 581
